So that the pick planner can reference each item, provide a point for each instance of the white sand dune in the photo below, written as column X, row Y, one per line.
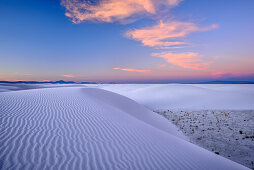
column 188, row 96
column 87, row 128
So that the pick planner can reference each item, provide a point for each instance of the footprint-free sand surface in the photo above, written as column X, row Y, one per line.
column 187, row 96
column 89, row 128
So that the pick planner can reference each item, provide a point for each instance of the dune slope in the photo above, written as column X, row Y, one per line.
column 86, row 128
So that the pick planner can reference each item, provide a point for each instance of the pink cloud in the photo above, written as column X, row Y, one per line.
column 159, row 35
column 68, row 75
column 222, row 74
column 219, row 74
column 166, row 35
column 185, row 60
column 112, row 10
column 132, row 70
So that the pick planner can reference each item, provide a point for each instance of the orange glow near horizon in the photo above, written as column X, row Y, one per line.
column 132, row 70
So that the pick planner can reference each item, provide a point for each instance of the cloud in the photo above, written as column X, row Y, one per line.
column 186, row 60
column 133, row 70
column 220, row 74
column 68, row 75
column 112, row 10
column 159, row 35
column 165, row 35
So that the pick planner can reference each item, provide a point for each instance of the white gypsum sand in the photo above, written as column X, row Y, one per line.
column 5, row 87
column 87, row 128
column 187, row 96
column 229, row 110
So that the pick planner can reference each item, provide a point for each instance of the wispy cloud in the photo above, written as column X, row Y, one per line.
column 228, row 75
column 165, row 34
column 219, row 74
column 132, row 70
column 223, row 74
column 112, row 10
column 169, row 34
column 68, row 75
column 186, row 60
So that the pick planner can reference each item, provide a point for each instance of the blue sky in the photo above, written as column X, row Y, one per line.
column 39, row 41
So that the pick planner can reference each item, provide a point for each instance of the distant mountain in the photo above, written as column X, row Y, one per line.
column 45, row 82
column 87, row 83
column 63, row 82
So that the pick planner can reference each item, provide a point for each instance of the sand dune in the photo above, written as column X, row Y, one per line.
column 188, row 96
column 86, row 128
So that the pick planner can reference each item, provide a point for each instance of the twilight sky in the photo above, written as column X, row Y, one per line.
column 126, row 40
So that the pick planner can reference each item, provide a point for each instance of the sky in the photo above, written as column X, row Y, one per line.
column 126, row 40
